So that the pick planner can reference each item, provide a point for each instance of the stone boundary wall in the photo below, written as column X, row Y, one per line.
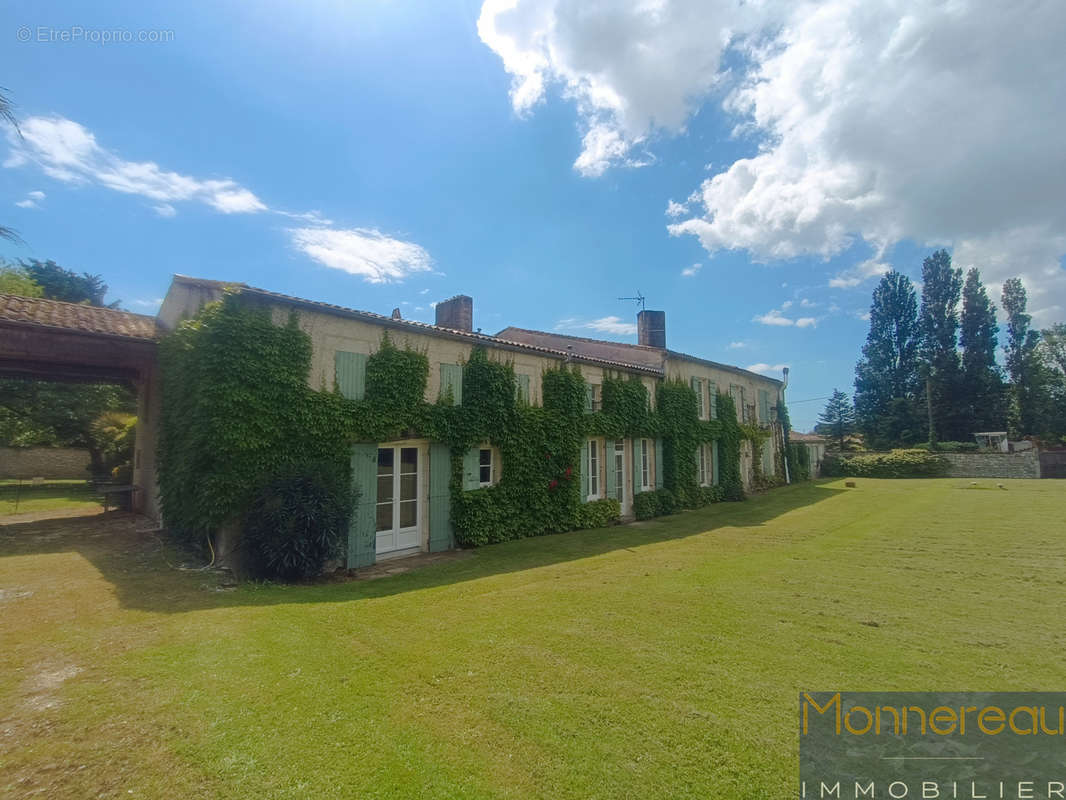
column 993, row 465
column 56, row 463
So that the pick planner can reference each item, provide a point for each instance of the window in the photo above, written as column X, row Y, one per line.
column 594, row 469
column 701, row 455
column 712, row 392
column 645, row 466
column 737, row 393
column 592, row 397
column 485, row 466
column 521, row 388
column 620, row 470
column 451, row 383
column 701, row 406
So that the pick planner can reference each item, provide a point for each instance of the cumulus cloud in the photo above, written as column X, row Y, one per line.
column 362, row 251
column 691, row 272
column 870, row 121
column 153, row 303
column 69, row 152
column 776, row 317
column 674, row 209
column 766, row 369
column 632, row 68
column 614, row 326
column 737, row 345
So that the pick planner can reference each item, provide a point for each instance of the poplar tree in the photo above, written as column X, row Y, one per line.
column 983, row 398
column 886, row 377
column 938, row 322
column 1023, row 362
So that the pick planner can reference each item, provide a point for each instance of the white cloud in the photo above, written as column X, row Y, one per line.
column 165, row 210
column 69, row 152
column 676, row 209
column 766, row 369
column 737, row 345
column 32, row 200
column 149, row 303
column 632, row 68
column 806, row 303
column 775, row 317
column 362, row 251
column 690, row 272
column 871, row 268
column 873, row 121
column 614, row 326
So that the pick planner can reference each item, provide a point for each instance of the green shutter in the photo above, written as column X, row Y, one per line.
column 350, row 371
column 583, row 468
column 713, row 392
column 635, row 450
column 714, row 463
column 440, row 498
column 451, row 380
column 608, row 463
column 695, row 382
column 471, row 471
column 588, row 398
column 522, row 388
column 764, row 406
column 362, row 536
column 658, row 463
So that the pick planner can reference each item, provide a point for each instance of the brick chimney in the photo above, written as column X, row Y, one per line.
column 456, row 313
column 651, row 329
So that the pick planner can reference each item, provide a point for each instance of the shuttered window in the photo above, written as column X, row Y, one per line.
column 350, row 374
column 521, row 388
column 712, row 393
column 764, row 407
column 451, row 382
column 701, row 406
column 593, row 469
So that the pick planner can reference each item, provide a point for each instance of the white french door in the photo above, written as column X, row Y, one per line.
column 618, row 464
column 399, row 501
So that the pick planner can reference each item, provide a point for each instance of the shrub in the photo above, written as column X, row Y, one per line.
column 296, row 523
column 799, row 461
column 654, row 504
column 895, row 464
column 952, row 447
column 598, row 513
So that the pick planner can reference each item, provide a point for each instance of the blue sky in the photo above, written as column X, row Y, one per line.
column 389, row 154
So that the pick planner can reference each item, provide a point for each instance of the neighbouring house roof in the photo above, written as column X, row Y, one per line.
column 812, row 438
column 618, row 351
column 76, row 317
column 423, row 327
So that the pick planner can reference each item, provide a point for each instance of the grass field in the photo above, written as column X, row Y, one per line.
column 656, row 660
column 20, row 497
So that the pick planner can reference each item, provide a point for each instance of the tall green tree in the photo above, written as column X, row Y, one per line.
column 938, row 323
column 59, row 283
column 837, row 419
column 1023, row 363
column 983, row 399
column 1053, row 355
column 886, row 377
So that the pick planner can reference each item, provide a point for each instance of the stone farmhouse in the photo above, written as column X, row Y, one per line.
column 409, row 478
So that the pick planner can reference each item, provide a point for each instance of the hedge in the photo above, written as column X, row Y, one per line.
column 894, row 464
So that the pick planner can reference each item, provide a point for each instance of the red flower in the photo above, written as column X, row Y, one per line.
column 554, row 484
column 569, row 471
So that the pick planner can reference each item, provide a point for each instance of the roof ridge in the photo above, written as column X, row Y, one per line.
column 583, row 338
column 76, row 305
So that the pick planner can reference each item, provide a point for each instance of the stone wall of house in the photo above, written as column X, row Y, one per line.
column 44, row 462
column 994, row 465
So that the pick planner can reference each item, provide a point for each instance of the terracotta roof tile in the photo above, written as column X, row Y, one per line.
column 76, row 317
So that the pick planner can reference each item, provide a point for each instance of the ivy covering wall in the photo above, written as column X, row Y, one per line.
column 237, row 411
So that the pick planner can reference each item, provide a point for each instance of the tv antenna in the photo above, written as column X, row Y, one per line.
column 639, row 298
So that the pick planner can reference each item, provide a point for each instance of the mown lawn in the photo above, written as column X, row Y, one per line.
column 20, row 497
column 658, row 660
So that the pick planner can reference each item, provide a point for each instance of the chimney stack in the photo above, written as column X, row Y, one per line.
column 651, row 329
column 456, row 313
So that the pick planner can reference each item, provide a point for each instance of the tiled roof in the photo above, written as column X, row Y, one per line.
column 76, row 317
column 596, row 348
column 617, row 351
column 423, row 327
